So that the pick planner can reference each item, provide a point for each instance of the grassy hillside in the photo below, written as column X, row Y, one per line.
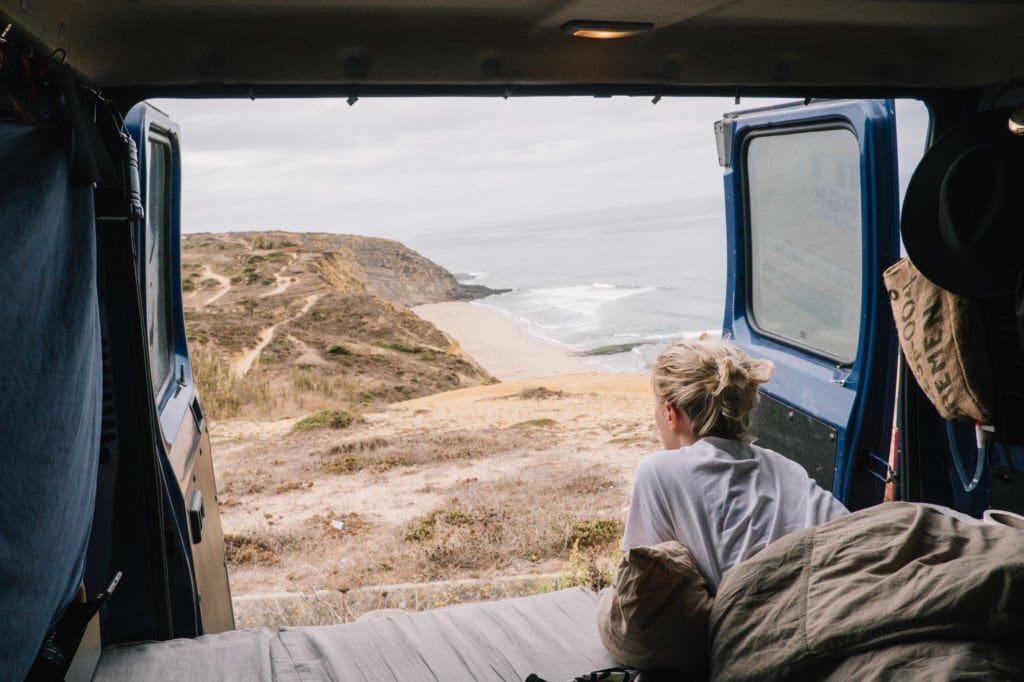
column 282, row 324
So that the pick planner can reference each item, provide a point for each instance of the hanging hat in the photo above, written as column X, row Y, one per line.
column 963, row 215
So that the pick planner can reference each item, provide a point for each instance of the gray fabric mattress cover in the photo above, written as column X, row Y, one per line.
column 553, row 635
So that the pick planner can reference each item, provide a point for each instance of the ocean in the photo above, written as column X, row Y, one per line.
column 616, row 286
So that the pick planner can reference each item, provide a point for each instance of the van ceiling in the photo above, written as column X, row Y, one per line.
column 701, row 44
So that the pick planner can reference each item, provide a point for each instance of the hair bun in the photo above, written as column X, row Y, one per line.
column 730, row 373
column 714, row 382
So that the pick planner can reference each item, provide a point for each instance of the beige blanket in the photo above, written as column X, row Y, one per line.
column 894, row 590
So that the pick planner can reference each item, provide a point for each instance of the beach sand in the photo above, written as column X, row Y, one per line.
column 501, row 345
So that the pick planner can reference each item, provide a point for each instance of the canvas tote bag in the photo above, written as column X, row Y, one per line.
column 943, row 339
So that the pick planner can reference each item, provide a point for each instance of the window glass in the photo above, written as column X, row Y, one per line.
column 157, row 256
column 805, row 238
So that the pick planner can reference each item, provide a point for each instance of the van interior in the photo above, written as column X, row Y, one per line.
column 111, row 542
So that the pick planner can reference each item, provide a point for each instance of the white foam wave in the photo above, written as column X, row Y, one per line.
column 586, row 300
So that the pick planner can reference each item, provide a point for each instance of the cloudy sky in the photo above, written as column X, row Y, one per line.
column 402, row 167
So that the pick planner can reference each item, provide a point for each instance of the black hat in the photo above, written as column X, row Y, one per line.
column 963, row 215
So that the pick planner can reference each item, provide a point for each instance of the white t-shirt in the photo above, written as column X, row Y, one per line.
column 723, row 499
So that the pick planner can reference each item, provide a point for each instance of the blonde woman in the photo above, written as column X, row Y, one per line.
column 712, row 489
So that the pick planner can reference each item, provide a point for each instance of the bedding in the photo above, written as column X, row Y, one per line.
column 655, row 616
column 896, row 589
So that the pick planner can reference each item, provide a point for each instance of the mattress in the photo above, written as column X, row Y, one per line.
column 553, row 635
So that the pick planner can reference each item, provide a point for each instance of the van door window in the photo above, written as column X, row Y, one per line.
column 804, row 203
column 157, row 259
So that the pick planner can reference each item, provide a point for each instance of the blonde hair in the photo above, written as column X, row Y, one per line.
column 714, row 383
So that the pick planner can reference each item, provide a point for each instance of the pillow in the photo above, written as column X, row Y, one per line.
column 655, row 616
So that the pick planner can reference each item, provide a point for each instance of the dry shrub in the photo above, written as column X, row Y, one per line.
column 495, row 525
column 419, row 529
column 543, row 423
column 223, row 392
column 587, row 568
column 254, row 488
column 540, row 393
column 292, row 485
column 424, row 448
column 649, row 439
column 261, row 550
column 351, row 465
column 325, row 419
column 588, row 533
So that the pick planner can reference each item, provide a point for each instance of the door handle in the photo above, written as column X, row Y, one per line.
column 196, row 516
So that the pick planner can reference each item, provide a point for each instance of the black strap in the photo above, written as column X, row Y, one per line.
column 61, row 643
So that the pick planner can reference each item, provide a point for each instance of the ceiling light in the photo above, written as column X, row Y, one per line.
column 605, row 30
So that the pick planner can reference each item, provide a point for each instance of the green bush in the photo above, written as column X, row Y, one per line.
column 325, row 419
column 395, row 345
column 419, row 530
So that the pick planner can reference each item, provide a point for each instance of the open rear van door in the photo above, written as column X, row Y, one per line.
column 182, row 422
column 813, row 219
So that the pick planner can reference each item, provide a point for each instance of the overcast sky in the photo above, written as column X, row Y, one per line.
column 400, row 167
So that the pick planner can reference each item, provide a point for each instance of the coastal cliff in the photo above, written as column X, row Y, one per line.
column 280, row 324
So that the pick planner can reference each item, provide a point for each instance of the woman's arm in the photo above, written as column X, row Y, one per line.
column 648, row 522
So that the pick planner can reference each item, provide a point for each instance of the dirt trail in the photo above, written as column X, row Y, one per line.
column 282, row 282
column 225, row 284
column 243, row 362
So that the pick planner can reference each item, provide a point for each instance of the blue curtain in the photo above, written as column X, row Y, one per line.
column 50, row 385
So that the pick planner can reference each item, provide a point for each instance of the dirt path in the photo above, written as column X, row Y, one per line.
column 225, row 284
column 243, row 362
column 282, row 282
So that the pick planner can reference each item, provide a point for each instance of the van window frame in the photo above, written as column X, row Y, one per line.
column 826, row 125
column 156, row 135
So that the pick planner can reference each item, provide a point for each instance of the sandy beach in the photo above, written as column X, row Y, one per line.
column 501, row 345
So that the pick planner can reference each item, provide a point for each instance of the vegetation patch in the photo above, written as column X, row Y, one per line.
column 420, row 529
column 543, row 423
column 381, row 454
column 540, row 393
column 351, row 465
column 587, row 569
column 247, row 549
column 507, row 525
column 293, row 485
column 397, row 346
column 267, row 243
column 588, row 533
column 631, row 440
column 325, row 419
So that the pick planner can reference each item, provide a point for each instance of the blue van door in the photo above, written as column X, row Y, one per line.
column 183, row 428
column 813, row 219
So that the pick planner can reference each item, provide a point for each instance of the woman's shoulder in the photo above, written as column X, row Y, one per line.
column 683, row 459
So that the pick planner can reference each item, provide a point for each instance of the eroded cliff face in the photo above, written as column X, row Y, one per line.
column 397, row 273
column 281, row 323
